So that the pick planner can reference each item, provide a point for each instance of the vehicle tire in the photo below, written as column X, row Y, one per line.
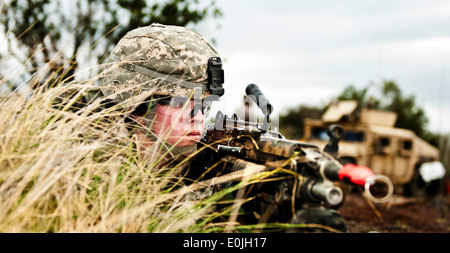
column 434, row 187
column 416, row 187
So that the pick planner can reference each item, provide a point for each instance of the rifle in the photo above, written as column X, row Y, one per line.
column 307, row 191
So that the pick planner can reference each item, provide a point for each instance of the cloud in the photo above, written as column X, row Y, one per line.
column 306, row 52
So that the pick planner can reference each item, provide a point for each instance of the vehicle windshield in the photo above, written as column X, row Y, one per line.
column 349, row 136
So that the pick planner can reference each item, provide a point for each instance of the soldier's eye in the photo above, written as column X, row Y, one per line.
column 178, row 102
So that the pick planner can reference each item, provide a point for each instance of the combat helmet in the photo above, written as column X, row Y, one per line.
column 161, row 60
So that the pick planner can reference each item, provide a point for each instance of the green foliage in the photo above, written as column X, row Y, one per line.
column 291, row 123
column 53, row 32
column 361, row 96
column 409, row 114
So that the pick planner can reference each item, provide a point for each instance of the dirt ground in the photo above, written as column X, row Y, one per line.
column 399, row 215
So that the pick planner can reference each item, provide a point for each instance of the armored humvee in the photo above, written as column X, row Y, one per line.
column 371, row 140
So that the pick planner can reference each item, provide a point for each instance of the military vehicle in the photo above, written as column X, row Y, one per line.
column 371, row 140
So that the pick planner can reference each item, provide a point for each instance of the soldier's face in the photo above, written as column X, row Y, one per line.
column 179, row 126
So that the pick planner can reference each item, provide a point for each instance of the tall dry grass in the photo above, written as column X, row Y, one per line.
column 64, row 170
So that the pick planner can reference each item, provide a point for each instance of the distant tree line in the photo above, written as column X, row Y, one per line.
column 49, row 34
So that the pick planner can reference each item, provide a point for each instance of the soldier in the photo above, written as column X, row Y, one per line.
column 168, row 76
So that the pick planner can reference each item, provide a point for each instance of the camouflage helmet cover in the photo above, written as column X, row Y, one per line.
column 157, row 60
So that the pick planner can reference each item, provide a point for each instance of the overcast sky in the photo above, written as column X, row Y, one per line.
column 307, row 52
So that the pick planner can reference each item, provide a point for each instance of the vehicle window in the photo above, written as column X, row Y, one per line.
column 354, row 136
column 384, row 141
column 407, row 145
column 320, row 133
